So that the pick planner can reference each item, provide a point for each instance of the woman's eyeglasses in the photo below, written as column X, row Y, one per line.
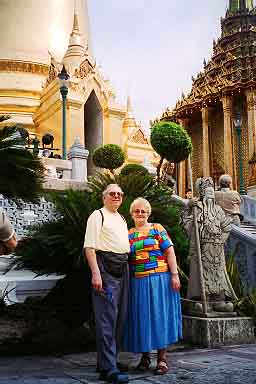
column 138, row 211
column 116, row 194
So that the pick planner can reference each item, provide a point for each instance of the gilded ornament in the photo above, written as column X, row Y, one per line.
column 84, row 70
column 23, row 66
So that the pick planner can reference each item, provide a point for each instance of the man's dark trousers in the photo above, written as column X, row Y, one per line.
column 110, row 309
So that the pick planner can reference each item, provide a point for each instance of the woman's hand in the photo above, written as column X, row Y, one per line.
column 175, row 282
column 97, row 281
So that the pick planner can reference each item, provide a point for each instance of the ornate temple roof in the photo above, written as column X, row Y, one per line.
column 232, row 66
column 236, row 5
column 138, row 137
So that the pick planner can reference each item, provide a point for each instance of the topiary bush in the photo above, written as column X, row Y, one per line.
column 171, row 142
column 133, row 168
column 109, row 156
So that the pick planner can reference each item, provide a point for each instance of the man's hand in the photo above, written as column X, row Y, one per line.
column 7, row 247
column 97, row 281
column 11, row 244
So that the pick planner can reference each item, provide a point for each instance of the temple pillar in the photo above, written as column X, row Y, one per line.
column 205, row 142
column 227, row 128
column 182, row 179
column 251, row 115
column 182, row 166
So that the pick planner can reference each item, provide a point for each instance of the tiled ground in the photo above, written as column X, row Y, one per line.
column 228, row 365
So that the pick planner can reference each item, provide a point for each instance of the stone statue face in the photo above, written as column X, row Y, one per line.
column 209, row 193
column 204, row 184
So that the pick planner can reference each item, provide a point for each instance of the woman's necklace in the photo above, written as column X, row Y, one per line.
column 143, row 227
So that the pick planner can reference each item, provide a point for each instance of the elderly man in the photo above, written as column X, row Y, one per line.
column 106, row 248
column 7, row 235
column 228, row 199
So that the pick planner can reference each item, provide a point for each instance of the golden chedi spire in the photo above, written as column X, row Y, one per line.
column 76, row 49
column 129, row 124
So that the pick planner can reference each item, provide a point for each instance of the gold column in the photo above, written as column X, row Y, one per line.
column 205, row 141
column 227, row 127
column 182, row 166
column 182, row 178
column 251, row 114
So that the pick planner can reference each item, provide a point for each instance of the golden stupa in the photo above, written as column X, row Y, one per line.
column 36, row 39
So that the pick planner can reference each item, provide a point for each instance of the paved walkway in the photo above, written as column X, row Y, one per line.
column 229, row 365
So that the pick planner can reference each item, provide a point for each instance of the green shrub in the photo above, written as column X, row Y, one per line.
column 133, row 168
column 109, row 156
column 171, row 142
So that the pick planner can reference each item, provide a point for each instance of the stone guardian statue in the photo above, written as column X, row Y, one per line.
column 213, row 227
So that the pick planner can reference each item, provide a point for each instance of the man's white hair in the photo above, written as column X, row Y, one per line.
column 109, row 187
column 225, row 181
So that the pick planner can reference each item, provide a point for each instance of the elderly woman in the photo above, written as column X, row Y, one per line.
column 154, row 314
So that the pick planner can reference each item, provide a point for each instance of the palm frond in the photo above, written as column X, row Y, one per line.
column 21, row 173
column 234, row 275
column 4, row 118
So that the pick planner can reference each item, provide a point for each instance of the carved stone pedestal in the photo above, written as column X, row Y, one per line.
column 214, row 332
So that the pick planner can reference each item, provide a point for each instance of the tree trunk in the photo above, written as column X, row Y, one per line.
column 158, row 169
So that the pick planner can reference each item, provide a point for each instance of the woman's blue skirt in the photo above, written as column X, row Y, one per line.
column 154, row 314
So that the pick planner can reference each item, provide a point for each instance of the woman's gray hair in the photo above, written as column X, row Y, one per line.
column 142, row 201
column 108, row 187
column 225, row 181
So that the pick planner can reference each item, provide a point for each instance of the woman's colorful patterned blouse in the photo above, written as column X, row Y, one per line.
column 147, row 250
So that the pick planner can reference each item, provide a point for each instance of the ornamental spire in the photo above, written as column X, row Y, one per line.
column 240, row 5
column 76, row 49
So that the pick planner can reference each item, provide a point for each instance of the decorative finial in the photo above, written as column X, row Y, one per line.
column 129, row 104
column 76, row 28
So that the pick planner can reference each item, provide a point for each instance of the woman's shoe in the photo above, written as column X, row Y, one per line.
column 144, row 364
column 162, row 367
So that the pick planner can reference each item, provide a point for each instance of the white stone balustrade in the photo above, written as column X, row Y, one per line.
column 248, row 209
column 64, row 174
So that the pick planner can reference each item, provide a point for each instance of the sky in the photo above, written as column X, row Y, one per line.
column 149, row 49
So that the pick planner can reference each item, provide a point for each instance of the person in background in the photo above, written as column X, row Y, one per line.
column 188, row 194
column 106, row 247
column 154, row 311
column 229, row 200
column 8, row 240
column 168, row 175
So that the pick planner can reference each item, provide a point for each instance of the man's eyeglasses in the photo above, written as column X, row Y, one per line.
column 114, row 194
column 138, row 211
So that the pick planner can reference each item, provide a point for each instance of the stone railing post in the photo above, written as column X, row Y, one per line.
column 78, row 154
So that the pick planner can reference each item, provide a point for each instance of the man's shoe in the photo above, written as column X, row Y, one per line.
column 114, row 377
column 122, row 367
